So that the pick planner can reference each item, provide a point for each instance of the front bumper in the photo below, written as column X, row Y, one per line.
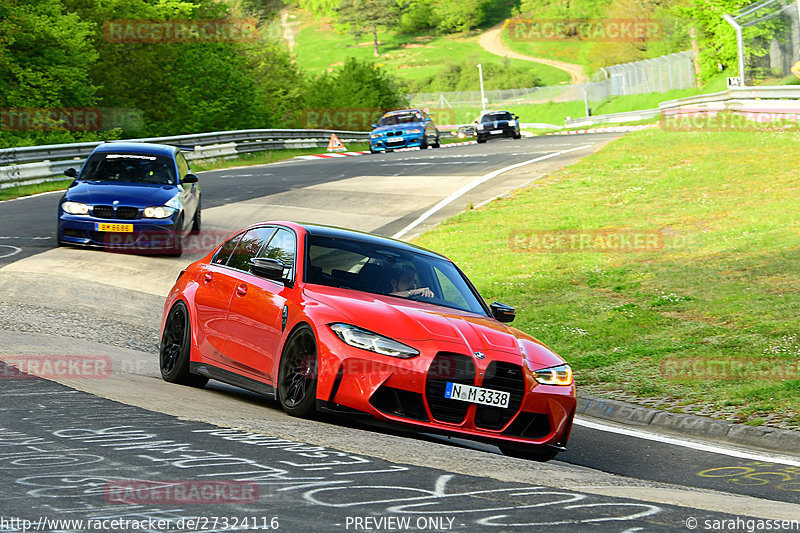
column 384, row 143
column 411, row 392
column 499, row 131
column 146, row 234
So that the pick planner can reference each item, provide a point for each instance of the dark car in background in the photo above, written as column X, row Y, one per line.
column 130, row 196
column 496, row 124
column 407, row 128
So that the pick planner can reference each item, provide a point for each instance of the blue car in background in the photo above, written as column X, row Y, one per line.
column 406, row 128
column 131, row 196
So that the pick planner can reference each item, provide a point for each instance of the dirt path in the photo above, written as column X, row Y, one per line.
column 490, row 41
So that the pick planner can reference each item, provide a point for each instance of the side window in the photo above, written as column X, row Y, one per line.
column 183, row 166
column 282, row 247
column 450, row 292
column 226, row 250
column 248, row 247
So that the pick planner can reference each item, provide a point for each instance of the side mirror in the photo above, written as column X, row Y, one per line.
column 374, row 126
column 189, row 178
column 267, row 268
column 516, row 117
column 71, row 173
column 502, row 312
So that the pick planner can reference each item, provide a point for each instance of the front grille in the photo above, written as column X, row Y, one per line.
column 454, row 368
column 127, row 212
column 504, row 377
column 103, row 211
column 399, row 402
column 393, row 133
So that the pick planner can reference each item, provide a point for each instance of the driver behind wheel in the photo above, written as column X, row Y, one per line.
column 404, row 283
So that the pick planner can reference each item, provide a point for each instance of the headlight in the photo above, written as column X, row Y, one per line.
column 480, row 126
column 415, row 130
column 75, row 208
column 512, row 123
column 158, row 211
column 367, row 340
column 556, row 375
column 374, row 135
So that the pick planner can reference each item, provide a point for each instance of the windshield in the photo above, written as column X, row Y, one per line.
column 491, row 117
column 381, row 269
column 141, row 168
column 400, row 118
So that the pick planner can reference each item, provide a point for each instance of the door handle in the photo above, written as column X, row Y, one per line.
column 208, row 277
column 241, row 289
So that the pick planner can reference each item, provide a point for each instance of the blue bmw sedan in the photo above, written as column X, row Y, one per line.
column 406, row 128
column 131, row 196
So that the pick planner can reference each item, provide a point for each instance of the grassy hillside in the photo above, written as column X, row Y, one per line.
column 415, row 59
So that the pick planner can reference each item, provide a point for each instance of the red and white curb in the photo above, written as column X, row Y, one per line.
column 350, row 154
column 608, row 129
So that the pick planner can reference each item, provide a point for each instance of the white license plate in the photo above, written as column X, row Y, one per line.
column 495, row 132
column 468, row 393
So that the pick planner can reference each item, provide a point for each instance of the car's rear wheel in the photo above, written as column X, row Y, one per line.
column 176, row 342
column 534, row 453
column 297, row 375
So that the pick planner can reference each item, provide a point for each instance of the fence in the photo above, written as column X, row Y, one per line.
column 770, row 33
column 665, row 73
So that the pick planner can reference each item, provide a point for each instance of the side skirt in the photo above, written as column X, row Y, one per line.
column 231, row 378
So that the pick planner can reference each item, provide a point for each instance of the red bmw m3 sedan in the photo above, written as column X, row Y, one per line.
column 333, row 320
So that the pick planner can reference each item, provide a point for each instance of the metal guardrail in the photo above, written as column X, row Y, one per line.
column 610, row 118
column 768, row 99
column 779, row 92
column 35, row 164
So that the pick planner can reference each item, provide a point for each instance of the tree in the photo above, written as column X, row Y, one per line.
column 366, row 16
column 45, row 57
column 357, row 85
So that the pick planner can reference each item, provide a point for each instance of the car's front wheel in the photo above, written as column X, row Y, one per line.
column 173, row 357
column 481, row 140
column 438, row 143
column 297, row 375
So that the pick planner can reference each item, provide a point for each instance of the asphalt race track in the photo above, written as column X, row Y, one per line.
column 68, row 447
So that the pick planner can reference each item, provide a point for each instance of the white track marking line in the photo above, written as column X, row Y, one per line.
column 699, row 446
column 468, row 187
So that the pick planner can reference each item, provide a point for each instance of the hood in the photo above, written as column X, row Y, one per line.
column 412, row 322
column 400, row 127
column 126, row 193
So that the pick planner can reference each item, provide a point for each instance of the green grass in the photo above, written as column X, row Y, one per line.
column 412, row 58
column 724, row 286
column 26, row 190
